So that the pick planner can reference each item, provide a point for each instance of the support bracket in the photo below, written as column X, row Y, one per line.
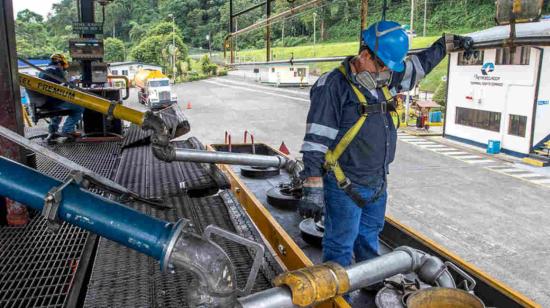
column 53, row 199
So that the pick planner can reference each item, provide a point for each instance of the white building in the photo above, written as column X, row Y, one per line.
column 499, row 94
column 129, row 68
column 282, row 75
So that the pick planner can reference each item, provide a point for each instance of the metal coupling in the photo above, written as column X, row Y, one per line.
column 165, row 153
column 315, row 284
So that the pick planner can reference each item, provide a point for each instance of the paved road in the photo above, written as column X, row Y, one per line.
column 477, row 207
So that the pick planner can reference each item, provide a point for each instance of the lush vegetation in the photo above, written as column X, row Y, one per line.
column 144, row 27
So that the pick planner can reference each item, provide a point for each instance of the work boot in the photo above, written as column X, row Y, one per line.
column 52, row 138
column 69, row 137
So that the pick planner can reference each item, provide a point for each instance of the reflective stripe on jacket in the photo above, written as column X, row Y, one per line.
column 335, row 108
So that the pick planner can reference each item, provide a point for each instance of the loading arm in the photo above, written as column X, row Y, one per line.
column 293, row 167
column 147, row 120
column 160, row 139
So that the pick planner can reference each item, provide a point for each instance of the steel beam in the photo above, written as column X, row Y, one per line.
column 11, row 115
column 268, row 32
column 87, row 12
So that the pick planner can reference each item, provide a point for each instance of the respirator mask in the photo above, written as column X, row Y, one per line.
column 372, row 81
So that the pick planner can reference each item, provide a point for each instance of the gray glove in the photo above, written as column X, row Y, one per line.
column 312, row 203
column 455, row 42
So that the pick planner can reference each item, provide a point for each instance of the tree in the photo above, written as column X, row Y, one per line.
column 158, row 38
column 114, row 50
column 32, row 37
column 440, row 94
column 29, row 16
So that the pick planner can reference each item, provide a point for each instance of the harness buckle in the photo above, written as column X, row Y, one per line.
column 345, row 184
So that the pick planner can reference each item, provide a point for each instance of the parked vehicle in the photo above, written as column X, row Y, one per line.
column 154, row 89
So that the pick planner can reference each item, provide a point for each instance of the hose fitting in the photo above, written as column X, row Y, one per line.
column 315, row 284
column 160, row 139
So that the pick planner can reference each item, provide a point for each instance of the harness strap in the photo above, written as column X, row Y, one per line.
column 332, row 156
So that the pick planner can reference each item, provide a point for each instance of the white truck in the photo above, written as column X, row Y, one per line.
column 154, row 89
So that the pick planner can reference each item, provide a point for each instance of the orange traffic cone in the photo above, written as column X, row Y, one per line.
column 189, row 105
column 283, row 149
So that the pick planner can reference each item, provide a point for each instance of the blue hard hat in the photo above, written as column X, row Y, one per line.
column 389, row 42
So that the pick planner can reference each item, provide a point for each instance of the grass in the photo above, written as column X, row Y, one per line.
column 429, row 84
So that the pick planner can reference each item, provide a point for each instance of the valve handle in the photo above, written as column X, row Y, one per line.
column 469, row 282
column 257, row 248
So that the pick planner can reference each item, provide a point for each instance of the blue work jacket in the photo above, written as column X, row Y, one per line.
column 335, row 108
column 58, row 72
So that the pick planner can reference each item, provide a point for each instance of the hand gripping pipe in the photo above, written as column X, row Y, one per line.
column 173, row 244
column 293, row 167
column 303, row 289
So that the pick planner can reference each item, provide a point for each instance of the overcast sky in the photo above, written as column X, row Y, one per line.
column 41, row 7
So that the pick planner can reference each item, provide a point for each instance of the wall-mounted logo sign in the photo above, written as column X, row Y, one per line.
column 486, row 79
column 487, row 68
column 543, row 102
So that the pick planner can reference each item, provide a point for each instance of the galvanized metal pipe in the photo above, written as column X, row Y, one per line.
column 370, row 272
column 279, row 297
column 363, row 274
column 200, row 156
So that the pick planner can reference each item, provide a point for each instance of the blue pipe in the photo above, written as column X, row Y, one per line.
column 86, row 210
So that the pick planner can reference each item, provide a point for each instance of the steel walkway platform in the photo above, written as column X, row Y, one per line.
column 39, row 268
column 124, row 278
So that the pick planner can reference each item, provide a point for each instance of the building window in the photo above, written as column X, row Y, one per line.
column 474, row 58
column 509, row 56
column 114, row 72
column 516, row 125
column 125, row 72
column 488, row 120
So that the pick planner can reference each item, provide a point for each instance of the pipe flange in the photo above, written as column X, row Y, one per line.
column 315, row 284
column 168, row 249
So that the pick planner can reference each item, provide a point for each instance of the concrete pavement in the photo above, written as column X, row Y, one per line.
column 494, row 220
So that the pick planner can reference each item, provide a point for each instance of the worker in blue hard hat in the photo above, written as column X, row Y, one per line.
column 57, row 67
column 350, row 137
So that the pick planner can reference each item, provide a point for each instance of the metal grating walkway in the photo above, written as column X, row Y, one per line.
column 151, row 177
column 124, row 278
column 42, row 269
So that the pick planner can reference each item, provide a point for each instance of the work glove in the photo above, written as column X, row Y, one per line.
column 312, row 203
column 455, row 42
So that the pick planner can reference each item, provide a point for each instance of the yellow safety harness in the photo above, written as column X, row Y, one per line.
column 332, row 156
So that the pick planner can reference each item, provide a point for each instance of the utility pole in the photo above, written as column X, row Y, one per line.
column 173, row 47
column 425, row 10
column 208, row 38
column 283, row 34
column 268, row 31
column 314, row 33
column 412, row 19
column 408, row 98
column 364, row 13
column 231, row 29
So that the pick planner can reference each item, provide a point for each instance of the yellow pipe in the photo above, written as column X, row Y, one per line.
column 80, row 98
